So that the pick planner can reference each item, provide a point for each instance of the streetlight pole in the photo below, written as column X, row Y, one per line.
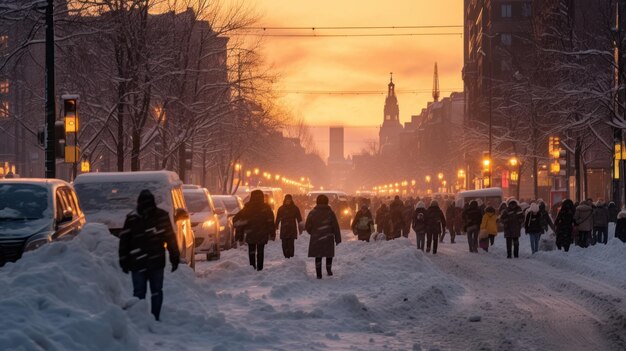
column 490, row 63
column 50, row 155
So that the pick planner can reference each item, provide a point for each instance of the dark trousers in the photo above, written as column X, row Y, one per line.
column 512, row 243
column 492, row 239
column 421, row 240
column 600, row 235
column 432, row 238
column 140, row 287
column 583, row 238
column 288, row 247
column 472, row 238
column 318, row 266
column 255, row 252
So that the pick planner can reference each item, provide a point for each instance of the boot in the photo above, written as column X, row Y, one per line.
column 318, row 267
column 329, row 265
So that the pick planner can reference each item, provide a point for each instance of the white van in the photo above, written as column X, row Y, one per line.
column 488, row 196
column 107, row 197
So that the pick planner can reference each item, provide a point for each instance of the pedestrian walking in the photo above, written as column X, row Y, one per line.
column 546, row 220
column 407, row 216
column 383, row 220
column 488, row 228
column 323, row 227
column 147, row 231
column 601, row 217
column 583, row 217
column 363, row 224
column 564, row 224
column 512, row 219
column 435, row 225
column 533, row 226
column 620, row 228
column 255, row 222
column 613, row 212
column 419, row 225
column 472, row 218
column 450, row 222
column 396, row 209
column 288, row 219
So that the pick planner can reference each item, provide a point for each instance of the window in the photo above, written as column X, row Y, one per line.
column 507, row 10
column 506, row 39
column 527, row 9
column 4, row 109
column 4, row 86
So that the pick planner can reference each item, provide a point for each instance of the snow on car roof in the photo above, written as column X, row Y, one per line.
column 481, row 192
column 154, row 176
column 49, row 183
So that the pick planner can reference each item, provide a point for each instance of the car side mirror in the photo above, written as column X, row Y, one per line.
column 220, row 211
column 68, row 216
column 181, row 214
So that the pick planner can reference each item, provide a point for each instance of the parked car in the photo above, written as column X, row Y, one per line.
column 230, row 205
column 204, row 221
column 34, row 212
column 107, row 197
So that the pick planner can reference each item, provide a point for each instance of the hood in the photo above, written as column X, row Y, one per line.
column 534, row 207
column 146, row 202
column 420, row 204
column 24, row 229
column 289, row 198
column 621, row 215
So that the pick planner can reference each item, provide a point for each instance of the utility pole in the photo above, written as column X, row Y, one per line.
column 50, row 155
column 490, row 63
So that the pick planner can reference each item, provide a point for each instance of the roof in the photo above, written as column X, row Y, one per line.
column 36, row 181
column 481, row 192
column 154, row 176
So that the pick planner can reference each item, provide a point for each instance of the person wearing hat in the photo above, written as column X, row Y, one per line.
column 288, row 219
column 146, row 232
column 512, row 219
column 323, row 228
column 435, row 225
column 363, row 224
column 255, row 222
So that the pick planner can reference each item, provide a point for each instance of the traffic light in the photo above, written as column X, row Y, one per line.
column 59, row 136
column 70, row 113
column 188, row 158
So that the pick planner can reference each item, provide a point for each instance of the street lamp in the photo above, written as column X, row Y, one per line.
column 427, row 178
column 440, row 176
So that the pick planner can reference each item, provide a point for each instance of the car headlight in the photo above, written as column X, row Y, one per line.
column 210, row 224
column 346, row 212
column 35, row 241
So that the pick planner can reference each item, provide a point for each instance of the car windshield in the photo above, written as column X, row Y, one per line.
column 230, row 203
column 23, row 202
column 107, row 196
column 197, row 202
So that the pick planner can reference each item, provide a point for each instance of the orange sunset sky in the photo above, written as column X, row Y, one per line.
column 360, row 63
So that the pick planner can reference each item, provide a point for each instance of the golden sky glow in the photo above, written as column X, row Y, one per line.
column 361, row 63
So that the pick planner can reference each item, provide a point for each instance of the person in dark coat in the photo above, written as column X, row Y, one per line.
column 546, row 220
column 396, row 210
column 512, row 219
column 255, row 222
column 407, row 216
column 620, row 228
column 600, row 224
column 288, row 218
column 323, row 227
column 363, row 224
column 613, row 212
column 383, row 220
column 142, row 249
column 419, row 225
column 472, row 218
column 450, row 222
column 533, row 226
column 435, row 225
column 564, row 224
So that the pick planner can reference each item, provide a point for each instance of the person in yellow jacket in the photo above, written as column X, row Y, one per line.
column 488, row 228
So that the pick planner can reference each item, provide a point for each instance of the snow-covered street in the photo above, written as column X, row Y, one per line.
column 383, row 296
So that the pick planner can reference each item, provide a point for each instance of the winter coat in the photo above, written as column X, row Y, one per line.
column 512, row 219
column 489, row 223
column 435, row 220
column 383, row 220
column 396, row 209
column 323, row 227
column 450, row 216
column 613, row 212
column 601, row 216
column 458, row 218
column 142, row 240
column 362, row 224
column 564, row 224
column 583, row 217
column 532, row 223
column 256, row 221
column 472, row 216
column 546, row 221
column 288, row 217
column 419, row 220
column 620, row 228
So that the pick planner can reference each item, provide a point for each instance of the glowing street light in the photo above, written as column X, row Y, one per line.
column 513, row 162
column 427, row 178
column 440, row 176
column 256, row 171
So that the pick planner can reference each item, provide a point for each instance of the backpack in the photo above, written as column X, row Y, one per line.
column 363, row 223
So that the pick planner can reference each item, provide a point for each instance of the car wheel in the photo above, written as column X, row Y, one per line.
column 215, row 255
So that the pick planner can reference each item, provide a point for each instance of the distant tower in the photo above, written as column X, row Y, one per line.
column 436, row 85
column 391, row 127
column 335, row 151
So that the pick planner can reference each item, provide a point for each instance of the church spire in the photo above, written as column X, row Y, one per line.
column 436, row 85
column 391, row 91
